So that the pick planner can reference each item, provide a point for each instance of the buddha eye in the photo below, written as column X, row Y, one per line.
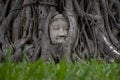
column 55, row 27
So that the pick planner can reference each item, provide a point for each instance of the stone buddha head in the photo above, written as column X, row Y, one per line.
column 58, row 29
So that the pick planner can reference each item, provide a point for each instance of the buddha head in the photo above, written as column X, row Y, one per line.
column 58, row 29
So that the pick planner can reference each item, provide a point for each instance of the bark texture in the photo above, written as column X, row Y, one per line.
column 94, row 29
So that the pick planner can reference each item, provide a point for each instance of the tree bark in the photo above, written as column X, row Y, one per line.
column 93, row 29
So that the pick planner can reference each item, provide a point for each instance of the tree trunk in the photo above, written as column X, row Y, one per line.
column 93, row 29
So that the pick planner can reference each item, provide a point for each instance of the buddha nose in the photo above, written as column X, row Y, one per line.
column 61, row 32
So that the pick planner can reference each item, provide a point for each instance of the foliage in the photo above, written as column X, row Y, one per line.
column 39, row 70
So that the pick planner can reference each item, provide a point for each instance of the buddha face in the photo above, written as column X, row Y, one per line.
column 58, row 30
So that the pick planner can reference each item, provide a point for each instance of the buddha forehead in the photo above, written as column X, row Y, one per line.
column 59, row 22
